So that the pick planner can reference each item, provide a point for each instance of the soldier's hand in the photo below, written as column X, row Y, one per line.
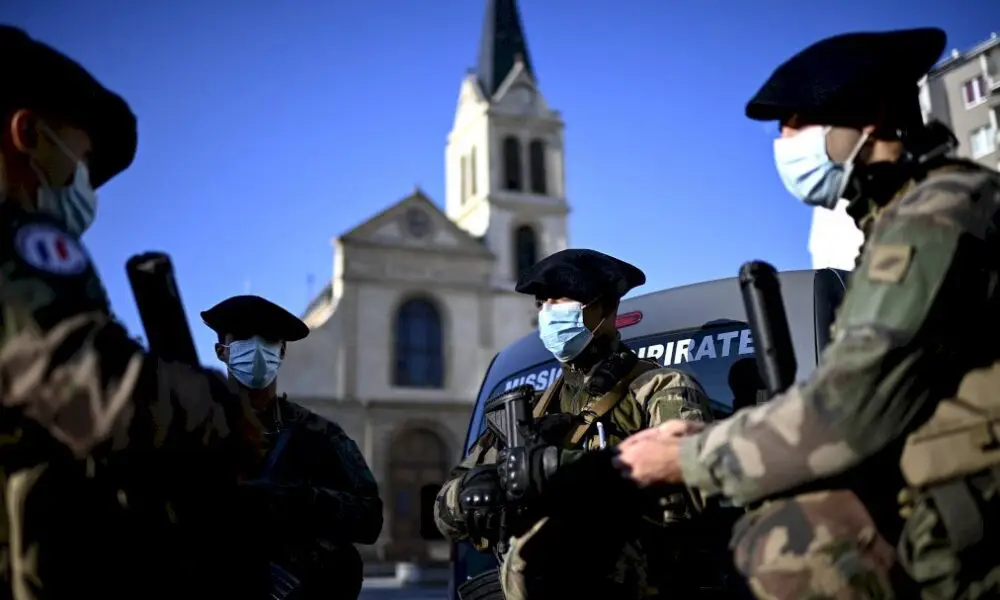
column 653, row 458
column 525, row 471
column 481, row 488
column 481, row 498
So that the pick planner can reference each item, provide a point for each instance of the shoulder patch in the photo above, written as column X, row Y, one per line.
column 889, row 262
column 50, row 249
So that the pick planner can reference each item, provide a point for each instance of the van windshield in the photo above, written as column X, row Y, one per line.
column 720, row 356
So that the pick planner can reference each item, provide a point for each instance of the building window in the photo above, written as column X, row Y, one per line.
column 525, row 249
column 983, row 141
column 419, row 346
column 463, row 181
column 512, row 164
column 536, row 158
column 974, row 91
column 472, row 172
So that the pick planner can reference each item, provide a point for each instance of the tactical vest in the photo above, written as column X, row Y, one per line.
column 598, row 407
column 961, row 440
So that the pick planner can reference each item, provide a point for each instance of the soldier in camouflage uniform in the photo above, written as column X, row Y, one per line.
column 605, row 394
column 93, row 431
column 906, row 395
column 313, row 492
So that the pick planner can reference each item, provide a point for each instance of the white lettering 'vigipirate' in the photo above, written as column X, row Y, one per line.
column 727, row 344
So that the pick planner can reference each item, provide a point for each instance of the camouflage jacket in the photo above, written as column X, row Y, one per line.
column 342, row 504
column 653, row 397
column 77, row 392
column 920, row 310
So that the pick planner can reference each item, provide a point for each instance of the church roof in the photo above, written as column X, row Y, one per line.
column 502, row 44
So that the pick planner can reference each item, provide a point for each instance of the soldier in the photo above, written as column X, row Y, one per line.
column 92, row 428
column 916, row 325
column 605, row 393
column 316, row 493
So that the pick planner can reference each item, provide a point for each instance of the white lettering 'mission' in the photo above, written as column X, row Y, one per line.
column 721, row 345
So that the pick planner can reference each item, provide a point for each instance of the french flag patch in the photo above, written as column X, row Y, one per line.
column 48, row 248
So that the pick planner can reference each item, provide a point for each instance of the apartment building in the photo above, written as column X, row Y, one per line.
column 963, row 91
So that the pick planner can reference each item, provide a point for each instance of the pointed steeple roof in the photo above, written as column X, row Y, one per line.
column 502, row 45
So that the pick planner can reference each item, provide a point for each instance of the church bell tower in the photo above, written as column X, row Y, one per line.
column 504, row 162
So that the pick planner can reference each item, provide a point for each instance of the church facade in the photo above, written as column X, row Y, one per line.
column 421, row 299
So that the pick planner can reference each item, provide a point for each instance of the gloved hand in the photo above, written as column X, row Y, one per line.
column 481, row 499
column 524, row 471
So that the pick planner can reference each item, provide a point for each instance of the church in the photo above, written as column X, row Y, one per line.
column 421, row 299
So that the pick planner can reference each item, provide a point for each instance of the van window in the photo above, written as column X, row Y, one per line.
column 711, row 353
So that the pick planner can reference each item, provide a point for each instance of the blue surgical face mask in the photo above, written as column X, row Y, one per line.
column 807, row 170
column 75, row 205
column 254, row 362
column 561, row 328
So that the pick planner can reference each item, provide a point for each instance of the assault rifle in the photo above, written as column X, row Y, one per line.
column 507, row 416
column 768, row 322
column 158, row 300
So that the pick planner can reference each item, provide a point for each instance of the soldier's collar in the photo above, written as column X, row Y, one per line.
column 612, row 361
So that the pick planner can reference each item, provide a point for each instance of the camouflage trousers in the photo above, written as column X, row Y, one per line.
column 815, row 546
column 562, row 558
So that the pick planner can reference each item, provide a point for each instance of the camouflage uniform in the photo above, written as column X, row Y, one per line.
column 655, row 396
column 645, row 394
column 81, row 399
column 93, row 431
column 825, row 455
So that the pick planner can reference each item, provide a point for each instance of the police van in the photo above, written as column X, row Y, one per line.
column 700, row 328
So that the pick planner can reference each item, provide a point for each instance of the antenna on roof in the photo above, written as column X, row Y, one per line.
column 310, row 283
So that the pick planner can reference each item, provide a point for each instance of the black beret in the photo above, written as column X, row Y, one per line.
column 850, row 75
column 583, row 275
column 246, row 316
column 39, row 77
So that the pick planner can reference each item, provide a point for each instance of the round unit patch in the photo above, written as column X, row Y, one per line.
column 49, row 249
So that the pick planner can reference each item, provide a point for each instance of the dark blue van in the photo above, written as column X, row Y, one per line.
column 700, row 328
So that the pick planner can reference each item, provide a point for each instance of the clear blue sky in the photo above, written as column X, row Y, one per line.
column 268, row 128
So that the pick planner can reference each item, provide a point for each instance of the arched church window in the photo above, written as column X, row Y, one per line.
column 512, row 164
column 536, row 160
column 419, row 346
column 525, row 249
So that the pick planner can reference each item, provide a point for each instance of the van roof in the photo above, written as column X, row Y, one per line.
column 690, row 307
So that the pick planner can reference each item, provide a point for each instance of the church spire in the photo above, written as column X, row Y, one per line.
column 502, row 45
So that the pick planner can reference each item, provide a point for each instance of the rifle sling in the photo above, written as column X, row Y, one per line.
column 275, row 454
column 601, row 406
column 543, row 403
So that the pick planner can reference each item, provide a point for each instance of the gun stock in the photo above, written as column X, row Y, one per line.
column 768, row 322
column 158, row 300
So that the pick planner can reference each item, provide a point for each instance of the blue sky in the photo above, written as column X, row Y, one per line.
column 268, row 128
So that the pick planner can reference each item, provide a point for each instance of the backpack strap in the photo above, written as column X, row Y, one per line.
column 601, row 406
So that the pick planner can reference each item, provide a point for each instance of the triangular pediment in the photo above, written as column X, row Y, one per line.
column 415, row 222
column 519, row 95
